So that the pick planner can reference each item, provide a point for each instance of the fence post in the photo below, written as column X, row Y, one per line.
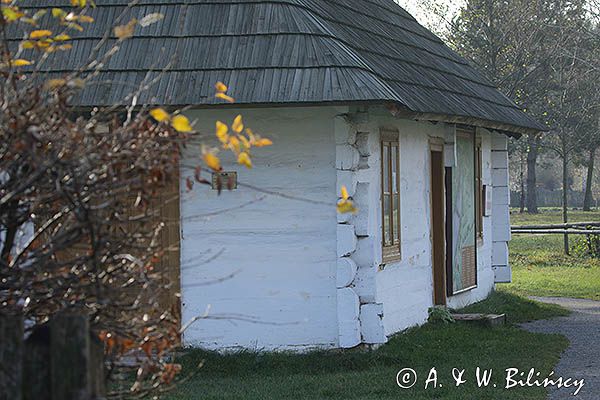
column 11, row 356
column 70, row 356
column 36, row 365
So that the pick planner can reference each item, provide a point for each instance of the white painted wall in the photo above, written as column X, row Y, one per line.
column 282, row 252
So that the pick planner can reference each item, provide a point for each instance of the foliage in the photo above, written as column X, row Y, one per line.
column 587, row 246
column 80, row 193
column 356, row 374
column 439, row 314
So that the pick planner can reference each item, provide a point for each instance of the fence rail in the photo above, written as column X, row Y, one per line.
column 577, row 228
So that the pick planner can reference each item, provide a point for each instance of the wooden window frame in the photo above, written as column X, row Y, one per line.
column 479, row 194
column 390, row 140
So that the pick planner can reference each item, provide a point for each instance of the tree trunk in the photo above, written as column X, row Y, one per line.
column 532, row 156
column 587, row 202
column 565, row 165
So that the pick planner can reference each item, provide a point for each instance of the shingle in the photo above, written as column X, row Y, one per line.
column 283, row 51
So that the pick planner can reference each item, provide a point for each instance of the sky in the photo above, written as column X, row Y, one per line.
column 425, row 18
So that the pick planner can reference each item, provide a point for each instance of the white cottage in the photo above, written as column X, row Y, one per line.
column 353, row 93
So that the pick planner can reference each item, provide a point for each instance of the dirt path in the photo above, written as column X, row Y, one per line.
column 582, row 359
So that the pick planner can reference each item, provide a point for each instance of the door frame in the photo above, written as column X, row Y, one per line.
column 440, row 283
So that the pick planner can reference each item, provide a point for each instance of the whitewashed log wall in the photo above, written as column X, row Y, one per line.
column 500, row 208
column 281, row 253
column 359, row 315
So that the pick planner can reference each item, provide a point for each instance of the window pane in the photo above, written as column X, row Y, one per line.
column 396, row 219
column 395, row 170
column 387, row 236
column 386, row 169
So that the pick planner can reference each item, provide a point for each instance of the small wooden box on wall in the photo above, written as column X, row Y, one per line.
column 228, row 180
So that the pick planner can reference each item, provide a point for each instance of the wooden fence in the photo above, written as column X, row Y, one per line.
column 578, row 228
column 59, row 361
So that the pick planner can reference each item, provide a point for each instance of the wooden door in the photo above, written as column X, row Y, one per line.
column 438, row 225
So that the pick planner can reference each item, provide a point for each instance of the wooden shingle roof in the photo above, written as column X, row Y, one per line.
column 278, row 52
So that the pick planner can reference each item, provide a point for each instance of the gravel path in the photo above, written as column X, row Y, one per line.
column 582, row 359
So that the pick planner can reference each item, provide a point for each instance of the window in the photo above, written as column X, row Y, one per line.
column 390, row 196
column 479, row 194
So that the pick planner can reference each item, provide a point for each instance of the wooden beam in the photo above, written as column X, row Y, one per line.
column 557, row 226
column 556, row 232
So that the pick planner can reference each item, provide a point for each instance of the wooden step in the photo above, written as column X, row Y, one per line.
column 481, row 319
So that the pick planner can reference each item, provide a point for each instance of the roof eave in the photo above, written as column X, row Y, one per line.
column 514, row 131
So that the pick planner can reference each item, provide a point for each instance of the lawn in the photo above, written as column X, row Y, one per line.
column 357, row 374
column 540, row 267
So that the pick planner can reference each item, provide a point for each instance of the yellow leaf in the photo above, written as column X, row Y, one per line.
column 58, row 13
column 11, row 13
column 42, row 44
column 181, row 124
column 244, row 159
column 125, row 31
column 263, row 143
column 29, row 21
column 21, row 63
column 212, row 161
column 345, row 195
column 62, row 38
column 73, row 25
column 250, row 135
column 39, row 14
column 223, row 96
column 85, row 18
column 160, row 115
column 222, row 131
column 40, row 34
column 346, row 207
column 245, row 141
column 27, row 44
column 238, row 124
column 55, row 83
column 234, row 145
column 64, row 47
column 78, row 3
column 221, row 87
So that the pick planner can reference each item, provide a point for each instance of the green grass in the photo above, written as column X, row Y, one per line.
column 516, row 308
column 540, row 267
column 552, row 216
column 365, row 375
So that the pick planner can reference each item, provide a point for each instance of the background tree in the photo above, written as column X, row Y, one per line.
column 516, row 55
column 573, row 98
